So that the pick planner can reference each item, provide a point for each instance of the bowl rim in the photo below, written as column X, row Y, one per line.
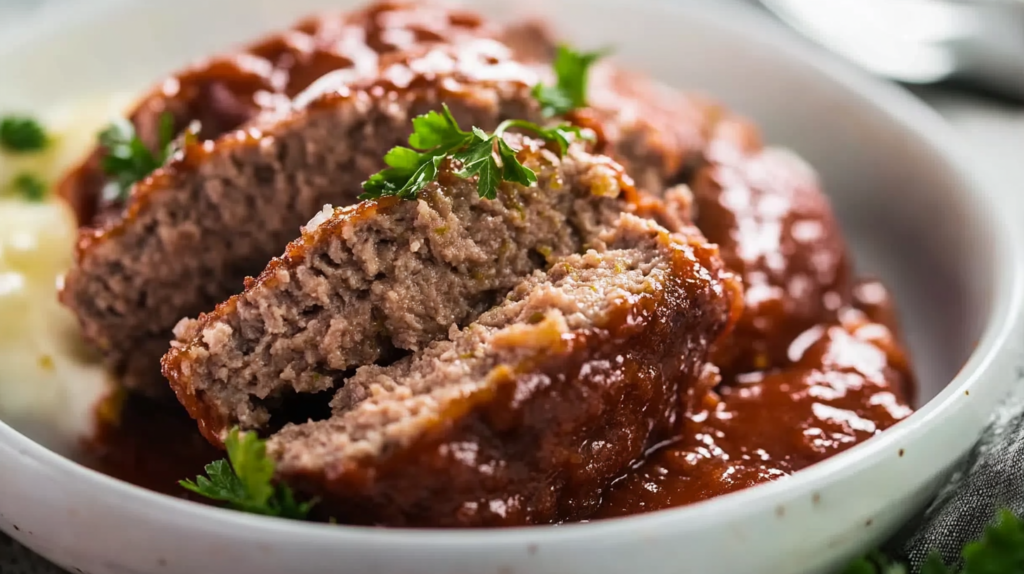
column 898, row 105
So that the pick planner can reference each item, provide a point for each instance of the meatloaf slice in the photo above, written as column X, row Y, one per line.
column 526, row 415
column 198, row 226
column 384, row 275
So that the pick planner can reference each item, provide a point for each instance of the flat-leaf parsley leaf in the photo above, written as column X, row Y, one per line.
column 245, row 480
column 29, row 186
column 22, row 134
column 437, row 137
column 1000, row 550
column 128, row 160
column 572, row 69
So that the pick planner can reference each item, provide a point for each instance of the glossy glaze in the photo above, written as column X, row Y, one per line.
column 814, row 366
column 847, row 383
column 149, row 444
column 539, row 442
column 766, row 209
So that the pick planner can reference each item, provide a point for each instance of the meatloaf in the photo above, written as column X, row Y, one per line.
column 191, row 232
column 197, row 227
column 386, row 275
column 529, row 413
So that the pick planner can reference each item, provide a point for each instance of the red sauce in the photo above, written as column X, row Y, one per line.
column 847, row 383
column 832, row 386
column 148, row 444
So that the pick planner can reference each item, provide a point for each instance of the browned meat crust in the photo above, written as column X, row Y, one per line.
column 528, row 414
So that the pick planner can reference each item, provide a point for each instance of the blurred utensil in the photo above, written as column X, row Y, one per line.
column 977, row 43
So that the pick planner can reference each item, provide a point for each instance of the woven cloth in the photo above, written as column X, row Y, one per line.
column 989, row 478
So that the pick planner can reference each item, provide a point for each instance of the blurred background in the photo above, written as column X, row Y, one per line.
column 965, row 58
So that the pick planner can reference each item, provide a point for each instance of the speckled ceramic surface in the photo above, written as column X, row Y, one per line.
column 16, row 559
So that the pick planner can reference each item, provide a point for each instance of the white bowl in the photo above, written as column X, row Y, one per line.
column 909, row 204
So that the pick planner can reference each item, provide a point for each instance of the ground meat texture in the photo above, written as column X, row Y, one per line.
column 528, row 414
column 197, row 227
column 776, row 229
column 385, row 275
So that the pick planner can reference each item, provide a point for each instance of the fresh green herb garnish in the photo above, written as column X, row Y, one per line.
column 437, row 137
column 570, row 90
column 875, row 563
column 29, row 186
column 22, row 134
column 245, row 480
column 128, row 160
column 999, row 551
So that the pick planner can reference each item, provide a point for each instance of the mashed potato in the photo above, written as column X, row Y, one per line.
column 49, row 380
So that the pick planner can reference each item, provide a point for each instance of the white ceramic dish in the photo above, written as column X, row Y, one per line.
column 908, row 203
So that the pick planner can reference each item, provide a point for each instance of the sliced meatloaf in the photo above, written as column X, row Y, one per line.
column 191, row 232
column 297, row 121
column 656, row 132
column 197, row 227
column 776, row 229
column 528, row 414
column 385, row 275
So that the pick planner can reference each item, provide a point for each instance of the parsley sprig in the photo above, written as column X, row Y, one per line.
column 1000, row 550
column 128, row 160
column 245, row 480
column 572, row 70
column 29, row 186
column 22, row 134
column 437, row 137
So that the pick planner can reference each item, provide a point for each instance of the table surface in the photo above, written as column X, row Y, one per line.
column 994, row 137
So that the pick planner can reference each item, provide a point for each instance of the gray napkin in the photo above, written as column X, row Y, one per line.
column 16, row 559
column 989, row 478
